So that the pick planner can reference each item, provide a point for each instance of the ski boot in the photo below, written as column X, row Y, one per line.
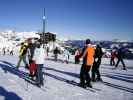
column 88, row 84
column 82, row 85
column 93, row 79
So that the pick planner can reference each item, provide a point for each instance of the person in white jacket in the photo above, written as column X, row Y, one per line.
column 66, row 56
column 39, row 55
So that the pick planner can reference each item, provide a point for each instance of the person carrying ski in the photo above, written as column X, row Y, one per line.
column 39, row 60
column 88, row 58
column 97, row 61
column 22, row 54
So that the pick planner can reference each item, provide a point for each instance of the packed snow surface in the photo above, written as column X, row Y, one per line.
column 117, row 84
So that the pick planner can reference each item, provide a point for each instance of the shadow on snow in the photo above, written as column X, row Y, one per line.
column 10, row 68
column 8, row 95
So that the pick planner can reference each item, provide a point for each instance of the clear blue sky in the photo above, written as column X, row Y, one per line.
column 97, row 19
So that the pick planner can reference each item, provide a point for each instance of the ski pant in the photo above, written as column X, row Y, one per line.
column 32, row 68
column 11, row 52
column 95, row 69
column 24, row 60
column 66, row 59
column 39, row 74
column 112, row 62
column 56, row 57
column 77, row 61
column 84, row 74
column 120, row 59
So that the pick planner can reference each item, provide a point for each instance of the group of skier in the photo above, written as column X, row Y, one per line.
column 7, row 50
column 65, row 53
column 36, row 54
column 91, row 55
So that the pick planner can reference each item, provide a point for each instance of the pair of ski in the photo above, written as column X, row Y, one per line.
column 21, row 74
column 87, row 88
column 8, row 67
column 27, row 78
column 32, row 81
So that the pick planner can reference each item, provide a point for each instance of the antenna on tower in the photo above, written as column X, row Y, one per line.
column 44, row 22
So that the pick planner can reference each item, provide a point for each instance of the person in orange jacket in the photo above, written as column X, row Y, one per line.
column 88, row 59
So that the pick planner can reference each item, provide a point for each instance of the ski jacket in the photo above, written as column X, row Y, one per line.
column 77, row 53
column 23, row 49
column 120, row 53
column 113, row 54
column 56, row 51
column 39, row 55
column 66, row 54
column 88, row 55
column 31, row 49
column 98, row 52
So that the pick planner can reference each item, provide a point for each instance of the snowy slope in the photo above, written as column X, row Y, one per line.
column 118, row 84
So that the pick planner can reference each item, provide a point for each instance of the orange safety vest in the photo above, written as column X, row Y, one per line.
column 89, row 52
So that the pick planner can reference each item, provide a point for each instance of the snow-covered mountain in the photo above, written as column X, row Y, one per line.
column 11, row 39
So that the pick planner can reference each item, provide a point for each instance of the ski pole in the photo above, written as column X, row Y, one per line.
column 26, row 82
column 44, row 75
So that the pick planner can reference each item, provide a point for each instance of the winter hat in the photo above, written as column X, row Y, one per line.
column 87, row 41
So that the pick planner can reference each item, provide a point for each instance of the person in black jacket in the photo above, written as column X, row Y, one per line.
column 56, row 51
column 97, row 61
column 120, row 55
column 31, row 48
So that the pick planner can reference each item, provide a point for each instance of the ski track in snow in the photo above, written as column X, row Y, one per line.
column 117, row 84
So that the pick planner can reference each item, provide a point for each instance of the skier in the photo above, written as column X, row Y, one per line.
column 97, row 61
column 32, row 67
column 8, row 50
column 39, row 60
column 66, row 56
column 47, row 48
column 120, row 55
column 56, row 51
column 11, row 51
column 22, row 54
column 87, row 55
column 4, row 50
column 113, row 56
column 77, row 53
column 0, row 50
